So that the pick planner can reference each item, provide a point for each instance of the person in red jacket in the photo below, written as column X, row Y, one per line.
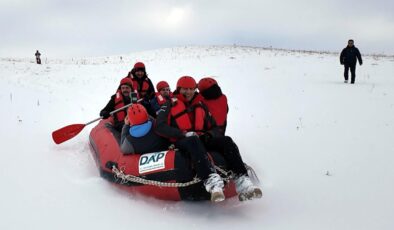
column 143, row 85
column 217, row 105
column 215, row 100
column 180, row 125
column 163, row 94
column 190, row 118
column 141, row 82
column 118, row 100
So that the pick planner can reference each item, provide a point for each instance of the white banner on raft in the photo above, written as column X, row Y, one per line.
column 151, row 162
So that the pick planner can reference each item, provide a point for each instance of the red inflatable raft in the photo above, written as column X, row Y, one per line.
column 167, row 166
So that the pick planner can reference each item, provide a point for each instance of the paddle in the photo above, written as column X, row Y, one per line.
column 66, row 133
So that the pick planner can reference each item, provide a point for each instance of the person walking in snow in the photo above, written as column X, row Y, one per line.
column 121, row 98
column 190, row 126
column 138, row 133
column 349, row 56
column 38, row 59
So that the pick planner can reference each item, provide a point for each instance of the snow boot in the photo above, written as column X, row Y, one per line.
column 345, row 81
column 214, row 185
column 246, row 189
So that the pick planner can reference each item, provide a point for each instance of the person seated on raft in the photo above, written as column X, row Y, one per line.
column 163, row 94
column 215, row 100
column 138, row 134
column 121, row 98
column 188, row 123
column 143, row 85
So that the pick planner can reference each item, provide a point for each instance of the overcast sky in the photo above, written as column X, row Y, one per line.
column 76, row 28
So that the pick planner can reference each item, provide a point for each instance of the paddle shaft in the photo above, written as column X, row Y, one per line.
column 70, row 131
column 115, row 111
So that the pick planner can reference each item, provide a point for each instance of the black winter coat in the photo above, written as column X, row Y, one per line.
column 149, row 143
column 111, row 107
column 349, row 56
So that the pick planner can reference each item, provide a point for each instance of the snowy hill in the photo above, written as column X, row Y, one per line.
column 322, row 149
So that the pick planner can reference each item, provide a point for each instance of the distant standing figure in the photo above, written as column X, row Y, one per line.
column 349, row 56
column 38, row 59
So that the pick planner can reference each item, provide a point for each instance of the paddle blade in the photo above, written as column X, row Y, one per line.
column 66, row 133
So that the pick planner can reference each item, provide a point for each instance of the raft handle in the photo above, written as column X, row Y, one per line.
column 110, row 164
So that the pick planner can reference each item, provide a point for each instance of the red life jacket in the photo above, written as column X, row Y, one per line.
column 191, row 118
column 160, row 99
column 138, row 88
column 119, row 103
column 218, row 108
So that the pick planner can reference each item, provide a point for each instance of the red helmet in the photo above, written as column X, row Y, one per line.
column 137, row 114
column 162, row 84
column 206, row 83
column 186, row 82
column 126, row 81
column 139, row 65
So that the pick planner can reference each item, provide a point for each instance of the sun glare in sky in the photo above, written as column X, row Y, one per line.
column 176, row 17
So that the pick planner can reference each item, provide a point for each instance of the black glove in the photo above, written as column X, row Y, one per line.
column 205, row 137
column 104, row 114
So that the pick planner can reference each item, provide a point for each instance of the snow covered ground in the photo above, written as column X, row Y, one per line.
column 323, row 149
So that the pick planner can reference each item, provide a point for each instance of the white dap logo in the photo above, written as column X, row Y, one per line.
column 151, row 162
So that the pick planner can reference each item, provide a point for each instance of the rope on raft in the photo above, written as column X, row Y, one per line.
column 125, row 178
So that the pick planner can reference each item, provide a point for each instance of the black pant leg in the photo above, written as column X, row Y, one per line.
column 353, row 72
column 226, row 146
column 346, row 73
column 198, row 154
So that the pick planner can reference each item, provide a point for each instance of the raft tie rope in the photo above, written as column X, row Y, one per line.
column 125, row 178
column 131, row 178
column 228, row 175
